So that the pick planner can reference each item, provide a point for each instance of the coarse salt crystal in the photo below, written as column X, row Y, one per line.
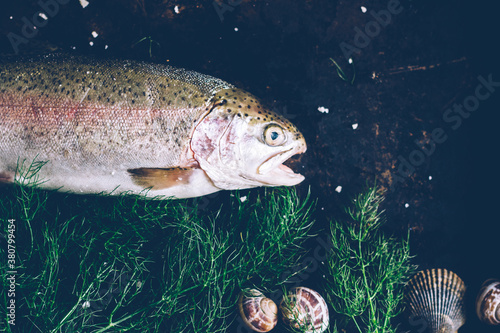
column 84, row 3
column 363, row 9
column 322, row 109
column 94, row 34
column 338, row 189
column 354, row 126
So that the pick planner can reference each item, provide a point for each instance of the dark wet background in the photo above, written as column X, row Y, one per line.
column 427, row 58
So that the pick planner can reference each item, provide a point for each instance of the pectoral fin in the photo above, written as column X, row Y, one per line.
column 158, row 178
column 6, row 177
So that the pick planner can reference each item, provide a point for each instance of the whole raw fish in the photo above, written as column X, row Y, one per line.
column 125, row 126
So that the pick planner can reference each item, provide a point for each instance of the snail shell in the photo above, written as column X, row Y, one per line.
column 258, row 312
column 305, row 309
column 488, row 302
column 437, row 296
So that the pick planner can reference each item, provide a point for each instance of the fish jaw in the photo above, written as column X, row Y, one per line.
column 275, row 173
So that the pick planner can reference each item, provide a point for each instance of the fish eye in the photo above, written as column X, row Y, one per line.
column 274, row 135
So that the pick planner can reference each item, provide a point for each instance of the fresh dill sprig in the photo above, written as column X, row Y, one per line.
column 367, row 270
column 149, row 40
column 342, row 74
column 125, row 263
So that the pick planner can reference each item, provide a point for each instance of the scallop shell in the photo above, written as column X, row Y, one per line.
column 488, row 302
column 437, row 296
column 258, row 312
column 305, row 309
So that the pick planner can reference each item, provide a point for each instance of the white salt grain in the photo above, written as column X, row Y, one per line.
column 84, row 3
column 322, row 109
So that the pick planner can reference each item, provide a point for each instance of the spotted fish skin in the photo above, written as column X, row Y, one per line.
column 102, row 125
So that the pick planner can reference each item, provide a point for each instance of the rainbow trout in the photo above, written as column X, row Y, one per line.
column 125, row 126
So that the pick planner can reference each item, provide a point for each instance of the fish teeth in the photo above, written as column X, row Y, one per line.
column 436, row 295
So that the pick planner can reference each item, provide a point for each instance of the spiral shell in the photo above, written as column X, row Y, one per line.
column 304, row 308
column 258, row 312
column 437, row 295
column 488, row 302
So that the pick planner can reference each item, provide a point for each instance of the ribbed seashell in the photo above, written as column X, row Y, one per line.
column 305, row 309
column 488, row 302
column 258, row 312
column 437, row 296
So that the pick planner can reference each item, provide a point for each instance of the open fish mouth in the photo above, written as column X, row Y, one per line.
column 274, row 172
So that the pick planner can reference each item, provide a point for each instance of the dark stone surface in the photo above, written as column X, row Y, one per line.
column 426, row 59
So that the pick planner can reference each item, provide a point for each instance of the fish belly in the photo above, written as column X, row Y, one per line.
column 92, row 154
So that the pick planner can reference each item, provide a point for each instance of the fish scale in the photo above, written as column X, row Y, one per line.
column 96, row 118
column 87, row 96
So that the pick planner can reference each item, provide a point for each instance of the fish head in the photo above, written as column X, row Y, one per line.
column 241, row 144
